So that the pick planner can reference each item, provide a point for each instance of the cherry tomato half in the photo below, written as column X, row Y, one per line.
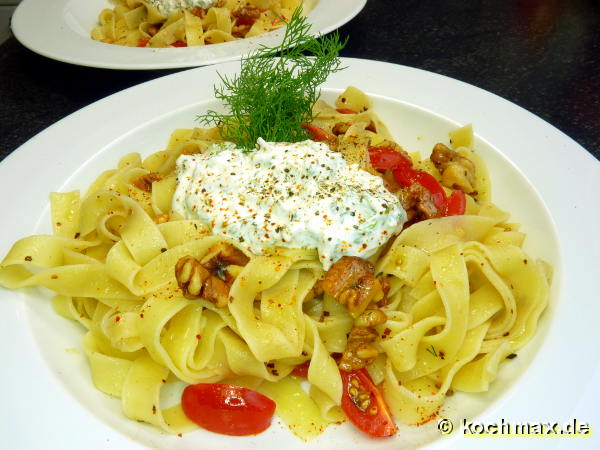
column 301, row 370
column 384, row 158
column 456, row 204
column 363, row 404
column 227, row 409
column 317, row 134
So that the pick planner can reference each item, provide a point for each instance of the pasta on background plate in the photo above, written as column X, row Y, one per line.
column 144, row 23
column 459, row 296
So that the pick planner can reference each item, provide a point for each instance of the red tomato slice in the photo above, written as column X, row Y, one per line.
column 405, row 176
column 227, row 409
column 430, row 183
column 384, row 158
column 363, row 404
column 301, row 370
column 317, row 134
column 456, row 204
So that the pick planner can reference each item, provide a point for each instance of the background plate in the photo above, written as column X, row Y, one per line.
column 60, row 29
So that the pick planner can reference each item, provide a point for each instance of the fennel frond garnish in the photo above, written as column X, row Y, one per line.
column 276, row 88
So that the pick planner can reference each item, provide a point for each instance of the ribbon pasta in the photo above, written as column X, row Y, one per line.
column 138, row 23
column 463, row 293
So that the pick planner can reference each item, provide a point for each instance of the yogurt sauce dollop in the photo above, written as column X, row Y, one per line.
column 300, row 195
column 168, row 6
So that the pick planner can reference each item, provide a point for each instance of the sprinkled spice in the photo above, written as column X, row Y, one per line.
column 288, row 195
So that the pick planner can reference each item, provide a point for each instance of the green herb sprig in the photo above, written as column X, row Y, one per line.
column 272, row 96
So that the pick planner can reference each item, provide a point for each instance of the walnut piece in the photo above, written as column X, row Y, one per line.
column 340, row 128
column 246, row 16
column 190, row 275
column 145, row 181
column 209, row 279
column 351, row 281
column 457, row 171
column 418, row 203
column 360, row 351
column 370, row 318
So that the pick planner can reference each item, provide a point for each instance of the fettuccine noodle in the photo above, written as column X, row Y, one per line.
column 464, row 295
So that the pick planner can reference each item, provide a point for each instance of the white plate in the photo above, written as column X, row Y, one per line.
column 60, row 29
column 545, row 179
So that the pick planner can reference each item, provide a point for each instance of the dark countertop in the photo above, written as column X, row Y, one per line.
column 543, row 55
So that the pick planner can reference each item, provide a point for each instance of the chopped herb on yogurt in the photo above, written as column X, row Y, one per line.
column 294, row 195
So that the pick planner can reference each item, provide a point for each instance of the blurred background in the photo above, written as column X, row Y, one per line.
column 543, row 55
column 6, row 9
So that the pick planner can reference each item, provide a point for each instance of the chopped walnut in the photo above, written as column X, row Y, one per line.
column 340, row 128
column 240, row 31
column 209, row 279
column 190, row 275
column 152, row 30
column 351, row 281
column 222, row 255
column 199, row 12
column 418, row 203
column 145, row 181
column 217, row 291
column 246, row 15
column 360, row 351
column 457, row 171
column 370, row 318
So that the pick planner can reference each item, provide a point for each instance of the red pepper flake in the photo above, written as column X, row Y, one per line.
column 198, row 337
column 54, row 277
column 179, row 434
column 118, row 319
column 141, row 315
